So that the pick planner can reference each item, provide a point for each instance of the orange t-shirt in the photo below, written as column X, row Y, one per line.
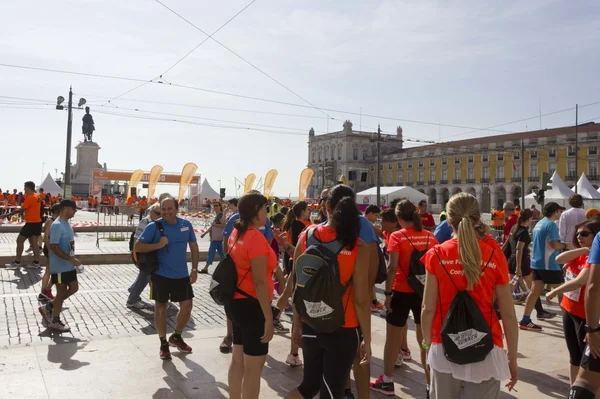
column 32, row 204
column 1, row 196
column 130, row 201
column 12, row 199
column 398, row 242
column 496, row 273
column 346, row 261
column 142, row 204
column 111, row 200
column 252, row 244
column 573, row 301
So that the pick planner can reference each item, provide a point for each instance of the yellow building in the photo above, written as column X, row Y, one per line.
column 490, row 168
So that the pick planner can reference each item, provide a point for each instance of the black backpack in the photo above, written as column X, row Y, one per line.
column 416, row 269
column 382, row 267
column 318, row 292
column 466, row 335
column 148, row 261
column 224, row 282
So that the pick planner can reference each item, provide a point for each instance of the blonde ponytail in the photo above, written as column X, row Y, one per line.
column 463, row 215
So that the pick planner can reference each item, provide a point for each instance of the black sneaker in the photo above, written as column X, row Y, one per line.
column 546, row 315
column 348, row 394
column 530, row 326
column 279, row 328
column 385, row 388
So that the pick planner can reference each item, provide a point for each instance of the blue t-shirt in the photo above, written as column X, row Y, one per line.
column 443, row 232
column 594, row 257
column 367, row 232
column 267, row 229
column 543, row 256
column 61, row 233
column 172, row 259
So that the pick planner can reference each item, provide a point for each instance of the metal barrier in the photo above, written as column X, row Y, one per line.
column 118, row 219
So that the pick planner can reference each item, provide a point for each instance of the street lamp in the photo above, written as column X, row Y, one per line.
column 42, row 178
column 376, row 137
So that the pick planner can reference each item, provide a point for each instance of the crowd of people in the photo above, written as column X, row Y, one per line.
column 456, row 280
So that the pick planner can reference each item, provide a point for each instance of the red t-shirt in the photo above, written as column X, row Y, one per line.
column 386, row 238
column 495, row 274
column 510, row 222
column 252, row 244
column 346, row 261
column 427, row 219
column 573, row 301
column 398, row 242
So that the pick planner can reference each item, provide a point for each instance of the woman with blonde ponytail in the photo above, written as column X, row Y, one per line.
column 468, row 262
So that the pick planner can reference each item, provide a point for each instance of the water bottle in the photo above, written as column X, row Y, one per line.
column 80, row 269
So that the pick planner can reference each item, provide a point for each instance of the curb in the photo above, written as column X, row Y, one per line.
column 96, row 259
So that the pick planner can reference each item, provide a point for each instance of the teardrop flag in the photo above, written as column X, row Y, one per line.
column 249, row 182
column 305, row 178
column 134, row 180
column 187, row 174
column 153, row 179
column 269, row 182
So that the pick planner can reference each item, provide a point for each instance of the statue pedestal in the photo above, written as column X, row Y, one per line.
column 81, row 172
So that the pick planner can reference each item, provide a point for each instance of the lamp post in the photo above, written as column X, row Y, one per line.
column 42, row 177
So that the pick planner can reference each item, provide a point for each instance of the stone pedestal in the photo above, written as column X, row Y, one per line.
column 81, row 172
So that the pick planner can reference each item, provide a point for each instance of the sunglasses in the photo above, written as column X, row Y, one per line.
column 156, row 213
column 583, row 234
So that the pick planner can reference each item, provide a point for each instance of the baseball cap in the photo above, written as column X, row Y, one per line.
column 552, row 207
column 508, row 205
column 68, row 204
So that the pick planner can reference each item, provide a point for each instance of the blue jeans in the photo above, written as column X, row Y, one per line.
column 135, row 291
column 215, row 246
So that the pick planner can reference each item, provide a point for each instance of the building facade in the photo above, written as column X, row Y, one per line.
column 490, row 168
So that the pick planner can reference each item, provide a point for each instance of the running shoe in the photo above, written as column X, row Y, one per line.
column 279, row 328
column 427, row 396
column 165, row 353
column 399, row 360
column 405, row 354
column 348, row 394
column 385, row 388
column 546, row 315
column 136, row 305
column 34, row 266
column 180, row 344
column 45, row 314
column 383, row 312
column 376, row 307
column 293, row 360
column 13, row 265
column 531, row 326
column 288, row 309
column 59, row 326
column 226, row 345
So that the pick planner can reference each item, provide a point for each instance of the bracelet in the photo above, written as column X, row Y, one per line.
column 425, row 346
column 388, row 293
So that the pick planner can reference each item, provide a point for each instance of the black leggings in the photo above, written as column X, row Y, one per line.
column 328, row 360
column 574, row 329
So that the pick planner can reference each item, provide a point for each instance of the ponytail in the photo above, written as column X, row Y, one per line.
column 345, row 221
column 416, row 219
column 248, row 207
column 469, row 252
column 289, row 219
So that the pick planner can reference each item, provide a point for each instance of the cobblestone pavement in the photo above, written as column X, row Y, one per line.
column 97, row 309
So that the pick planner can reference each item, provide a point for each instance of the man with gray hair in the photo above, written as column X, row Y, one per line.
column 569, row 219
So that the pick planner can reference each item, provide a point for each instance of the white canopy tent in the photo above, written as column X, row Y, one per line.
column 206, row 191
column 559, row 193
column 585, row 188
column 388, row 194
column 50, row 186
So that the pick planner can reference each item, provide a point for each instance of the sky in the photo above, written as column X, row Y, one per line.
column 424, row 65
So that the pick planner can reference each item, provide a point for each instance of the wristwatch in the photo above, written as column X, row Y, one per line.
column 591, row 330
column 388, row 293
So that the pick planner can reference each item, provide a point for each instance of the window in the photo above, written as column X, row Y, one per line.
column 432, row 162
column 444, row 161
column 572, row 151
column 332, row 153
column 571, row 170
column 431, row 174
column 552, row 167
column 593, row 150
column 399, row 177
column 326, row 153
column 410, row 176
column 355, row 154
column 516, row 155
column 445, row 175
column 552, row 152
column 456, row 174
column 470, row 159
column 373, row 151
column 533, row 154
column 517, row 173
column 409, row 164
column 399, row 165
column 389, row 177
column 314, row 156
column 470, row 174
column 593, row 170
column 420, row 163
column 500, row 156
column 365, row 153
column 485, row 173
column 484, row 158
column 421, row 176
column 389, row 166
column 534, row 171
column 500, row 172
column 456, row 160
column 320, row 155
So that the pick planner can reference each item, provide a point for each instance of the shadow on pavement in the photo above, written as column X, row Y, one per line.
column 196, row 379
column 64, row 349
column 548, row 384
column 28, row 278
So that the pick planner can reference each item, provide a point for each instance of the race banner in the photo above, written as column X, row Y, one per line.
column 187, row 173
column 153, row 179
column 305, row 178
column 136, row 178
column 249, row 182
column 269, row 182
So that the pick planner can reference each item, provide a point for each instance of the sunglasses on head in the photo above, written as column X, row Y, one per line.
column 584, row 233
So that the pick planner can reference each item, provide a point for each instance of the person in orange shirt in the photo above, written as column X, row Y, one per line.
column 328, row 358
column 12, row 198
column 468, row 265
column 400, row 295
column 142, row 205
column 32, row 209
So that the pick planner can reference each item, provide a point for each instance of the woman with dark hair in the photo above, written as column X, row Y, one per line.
column 573, row 292
column 250, row 312
column 216, row 236
column 295, row 222
column 328, row 358
column 400, row 296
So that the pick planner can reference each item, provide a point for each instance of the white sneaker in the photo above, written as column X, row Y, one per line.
column 59, row 326
column 293, row 361
column 136, row 305
column 34, row 266
column 399, row 360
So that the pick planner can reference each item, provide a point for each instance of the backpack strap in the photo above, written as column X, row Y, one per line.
column 334, row 246
column 410, row 242
column 161, row 228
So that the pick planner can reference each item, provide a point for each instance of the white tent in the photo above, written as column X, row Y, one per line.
column 50, row 186
column 206, row 191
column 559, row 189
column 388, row 194
column 585, row 188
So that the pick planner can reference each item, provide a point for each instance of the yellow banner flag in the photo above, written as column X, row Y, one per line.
column 249, row 182
column 153, row 179
column 270, row 181
column 187, row 173
column 305, row 178
column 134, row 180
column 344, row 180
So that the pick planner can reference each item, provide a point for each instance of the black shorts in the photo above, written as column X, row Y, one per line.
column 574, row 329
column 31, row 229
column 525, row 267
column 328, row 360
column 163, row 289
column 402, row 303
column 589, row 362
column 549, row 276
column 248, row 324
column 64, row 278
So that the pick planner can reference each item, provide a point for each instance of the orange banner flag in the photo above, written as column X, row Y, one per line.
column 305, row 178
column 153, row 179
column 134, row 180
column 269, row 182
column 249, row 182
column 187, row 173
